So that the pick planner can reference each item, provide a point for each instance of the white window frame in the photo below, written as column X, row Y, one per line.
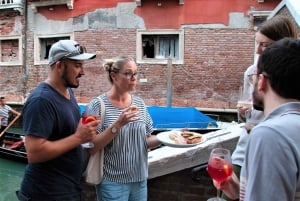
column 139, row 46
column 37, row 46
column 12, row 63
column 259, row 16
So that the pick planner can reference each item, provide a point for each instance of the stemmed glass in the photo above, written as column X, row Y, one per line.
column 219, row 168
column 89, row 115
column 244, row 104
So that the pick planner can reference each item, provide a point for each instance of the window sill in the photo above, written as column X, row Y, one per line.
column 158, row 61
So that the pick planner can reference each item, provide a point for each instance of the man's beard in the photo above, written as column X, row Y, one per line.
column 258, row 103
column 68, row 82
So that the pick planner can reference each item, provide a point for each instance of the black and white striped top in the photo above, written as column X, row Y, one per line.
column 126, row 156
column 4, row 112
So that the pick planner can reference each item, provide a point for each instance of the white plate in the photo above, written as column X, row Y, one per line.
column 164, row 137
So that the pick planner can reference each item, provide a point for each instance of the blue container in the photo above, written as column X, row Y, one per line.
column 179, row 117
column 81, row 107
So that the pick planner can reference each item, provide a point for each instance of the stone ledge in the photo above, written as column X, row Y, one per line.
column 166, row 160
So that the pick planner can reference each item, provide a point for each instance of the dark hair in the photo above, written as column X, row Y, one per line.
column 280, row 63
column 278, row 27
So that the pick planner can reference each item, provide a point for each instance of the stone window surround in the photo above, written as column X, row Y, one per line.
column 12, row 63
column 139, row 48
column 37, row 46
column 36, row 4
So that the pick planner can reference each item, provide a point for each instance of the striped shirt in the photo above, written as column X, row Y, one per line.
column 4, row 114
column 126, row 156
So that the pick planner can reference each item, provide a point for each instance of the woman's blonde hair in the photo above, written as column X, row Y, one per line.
column 115, row 64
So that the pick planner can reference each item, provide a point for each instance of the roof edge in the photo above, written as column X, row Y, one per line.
column 292, row 5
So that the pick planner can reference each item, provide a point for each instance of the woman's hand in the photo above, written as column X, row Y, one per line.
column 128, row 115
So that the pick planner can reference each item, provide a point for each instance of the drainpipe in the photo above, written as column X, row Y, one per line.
column 25, row 70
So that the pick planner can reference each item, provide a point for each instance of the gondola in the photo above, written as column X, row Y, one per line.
column 13, row 147
column 164, row 119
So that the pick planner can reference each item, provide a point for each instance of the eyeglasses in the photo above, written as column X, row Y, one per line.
column 79, row 50
column 130, row 75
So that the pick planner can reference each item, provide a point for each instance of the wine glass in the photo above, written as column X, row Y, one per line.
column 219, row 168
column 89, row 115
column 252, row 119
column 244, row 104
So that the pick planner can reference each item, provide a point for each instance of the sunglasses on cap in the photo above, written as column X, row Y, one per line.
column 79, row 50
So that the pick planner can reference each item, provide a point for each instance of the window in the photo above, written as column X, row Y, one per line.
column 10, row 51
column 42, row 46
column 258, row 20
column 259, row 17
column 156, row 46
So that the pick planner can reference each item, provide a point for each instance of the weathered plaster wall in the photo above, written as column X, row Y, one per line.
column 119, row 17
column 169, row 15
column 218, row 47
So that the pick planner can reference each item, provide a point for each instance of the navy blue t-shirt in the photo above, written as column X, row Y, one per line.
column 50, row 115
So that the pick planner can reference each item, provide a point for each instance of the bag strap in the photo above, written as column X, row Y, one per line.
column 102, row 111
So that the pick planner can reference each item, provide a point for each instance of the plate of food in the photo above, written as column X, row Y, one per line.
column 180, row 139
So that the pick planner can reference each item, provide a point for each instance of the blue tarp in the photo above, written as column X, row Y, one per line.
column 81, row 107
column 179, row 117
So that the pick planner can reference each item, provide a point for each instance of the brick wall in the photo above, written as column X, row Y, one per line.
column 10, row 76
column 214, row 62
column 184, row 185
column 210, row 76
column 181, row 186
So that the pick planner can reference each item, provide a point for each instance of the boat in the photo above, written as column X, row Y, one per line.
column 164, row 119
column 13, row 147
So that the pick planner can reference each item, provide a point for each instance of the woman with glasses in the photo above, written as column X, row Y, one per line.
column 125, row 135
column 268, row 32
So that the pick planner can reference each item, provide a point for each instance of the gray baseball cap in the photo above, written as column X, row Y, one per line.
column 68, row 49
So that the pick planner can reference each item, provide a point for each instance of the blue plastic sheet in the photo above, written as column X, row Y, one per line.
column 179, row 117
column 81, row 107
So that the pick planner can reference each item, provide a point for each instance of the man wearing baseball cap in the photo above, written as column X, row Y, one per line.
column 68, row 49
column 53, row 130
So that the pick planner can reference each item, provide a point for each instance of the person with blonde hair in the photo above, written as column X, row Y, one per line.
column 125, row 135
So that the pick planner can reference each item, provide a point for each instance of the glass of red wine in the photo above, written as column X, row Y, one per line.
column 89, row 115
column 219, row 168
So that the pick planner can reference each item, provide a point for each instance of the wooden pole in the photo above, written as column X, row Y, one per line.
column 10, row 124
column 169, row 83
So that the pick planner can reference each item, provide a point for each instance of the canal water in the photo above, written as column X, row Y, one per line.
column 11, row 174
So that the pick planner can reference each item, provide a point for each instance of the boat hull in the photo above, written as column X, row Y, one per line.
column 11, row 152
